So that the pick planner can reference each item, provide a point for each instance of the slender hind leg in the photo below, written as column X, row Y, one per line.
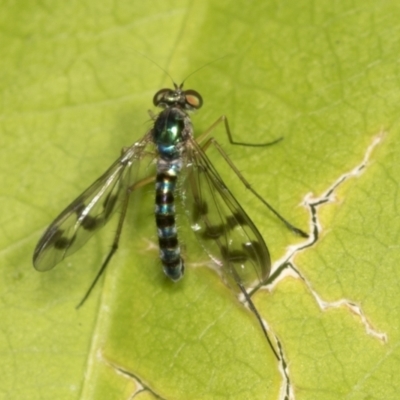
column 115, row 243
column 205, row 142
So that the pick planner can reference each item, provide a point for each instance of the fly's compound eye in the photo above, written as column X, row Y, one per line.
column 193, row 99
column 161, row 96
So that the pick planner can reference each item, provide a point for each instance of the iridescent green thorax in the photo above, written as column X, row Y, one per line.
column 168, row 132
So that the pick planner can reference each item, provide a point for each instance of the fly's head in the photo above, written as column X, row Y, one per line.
column 187, row 100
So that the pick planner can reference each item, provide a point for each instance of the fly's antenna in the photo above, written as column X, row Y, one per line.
column 188, row 76
column 157, row 65
column 203, row 66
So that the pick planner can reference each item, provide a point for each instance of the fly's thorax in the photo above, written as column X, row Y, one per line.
column 170, row 132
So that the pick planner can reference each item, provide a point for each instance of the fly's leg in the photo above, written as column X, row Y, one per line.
column 115, row 243
column 224, row 119
column 254, row 310
column 211, row 140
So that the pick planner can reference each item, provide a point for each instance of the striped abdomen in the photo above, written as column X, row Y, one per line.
column 170, row 253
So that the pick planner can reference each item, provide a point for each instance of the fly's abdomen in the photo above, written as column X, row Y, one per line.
column 170, row 253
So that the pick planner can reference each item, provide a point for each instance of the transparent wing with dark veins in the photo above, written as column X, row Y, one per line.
column 87, row 213
column 223, row 228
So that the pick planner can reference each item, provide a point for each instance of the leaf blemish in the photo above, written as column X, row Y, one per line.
column 286, row 266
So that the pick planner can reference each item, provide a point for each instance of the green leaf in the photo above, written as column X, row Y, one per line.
column 75, row 88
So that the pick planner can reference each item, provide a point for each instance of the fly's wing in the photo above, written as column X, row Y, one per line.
column 89, row 212
column 223, row 228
